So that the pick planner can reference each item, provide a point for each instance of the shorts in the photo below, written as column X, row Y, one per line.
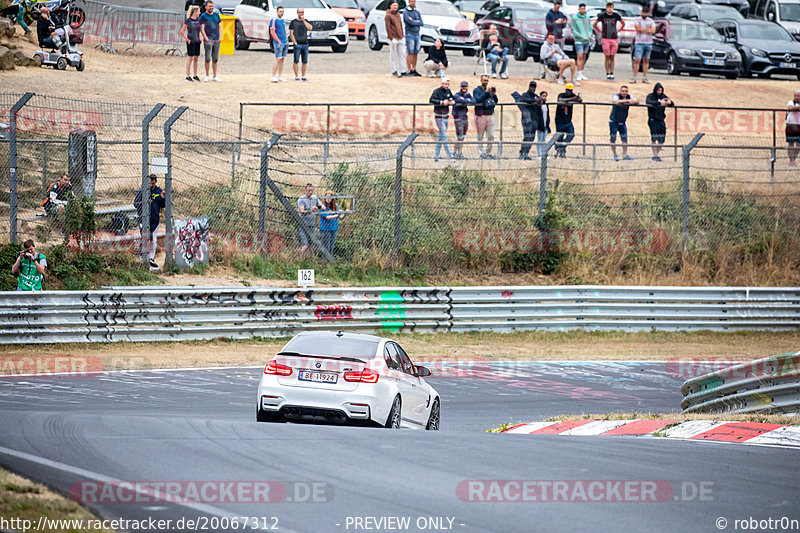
column 281, row 49
column 658, row 130
column 211, row 49
column 412, row 44
column 51, row 209
column 193, row 49
column 610, row 47
column 581, row 48
column 642, row 50
column 300, row 53
column 620, row 127
column 462, row 124
column 793, row 133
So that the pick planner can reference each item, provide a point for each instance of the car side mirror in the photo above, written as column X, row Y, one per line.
column 423, row 372
column 264, row 6
column 692, row 17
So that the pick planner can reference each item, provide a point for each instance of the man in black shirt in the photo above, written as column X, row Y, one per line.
column 442, row 99
column 528, row 103
column 563, row 117
column 298, row 34
column 45, row 29
column 616, row 121
column 609, row 36
column 656, row 102
column 157, row 202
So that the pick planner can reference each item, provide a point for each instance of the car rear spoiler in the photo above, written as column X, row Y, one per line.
column 338, row 358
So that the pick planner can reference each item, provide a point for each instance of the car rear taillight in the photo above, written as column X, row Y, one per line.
column 277, row 369
column 365, row 376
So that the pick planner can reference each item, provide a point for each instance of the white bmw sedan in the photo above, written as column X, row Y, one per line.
column 347, row 378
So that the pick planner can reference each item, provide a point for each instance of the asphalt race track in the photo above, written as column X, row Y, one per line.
column 199, row 425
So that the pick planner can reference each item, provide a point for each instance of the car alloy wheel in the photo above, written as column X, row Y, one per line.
column 672, row 64
column 393, row 421
column 372, row 39
column 520, row 54
column 433, row 420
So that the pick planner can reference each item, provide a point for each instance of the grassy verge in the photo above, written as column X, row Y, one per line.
column 24, row 500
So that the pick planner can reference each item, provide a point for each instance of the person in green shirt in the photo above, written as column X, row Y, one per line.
column 581, row 32
column 29, row 268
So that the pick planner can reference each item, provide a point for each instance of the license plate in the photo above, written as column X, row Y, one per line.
column 317, row 377
column 568, row 48
column 788, row 65
column 318, row 35
column 714, row 62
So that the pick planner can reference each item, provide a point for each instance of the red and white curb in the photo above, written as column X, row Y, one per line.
column 709, row 430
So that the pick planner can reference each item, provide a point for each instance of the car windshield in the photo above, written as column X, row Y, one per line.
column 790, row 12
column 331, row 345
column 438, row 9
column 294, row 4
column 700, row 32
column 767, row 32
column 350, row 4
column 529, row 14
column 714, row 13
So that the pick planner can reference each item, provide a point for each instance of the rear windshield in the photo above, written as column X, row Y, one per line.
column 332, row 345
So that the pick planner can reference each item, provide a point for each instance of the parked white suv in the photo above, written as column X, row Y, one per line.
column 783, row 12
column 253, row 16
column 441, row 20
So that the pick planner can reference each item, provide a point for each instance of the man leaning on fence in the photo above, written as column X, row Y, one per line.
column 58, row 194
column 29, row 268
column 157, row 202
column 526, row 103
column 307, row 205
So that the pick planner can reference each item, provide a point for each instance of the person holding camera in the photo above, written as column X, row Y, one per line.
column 29, row 268
column 485, row 100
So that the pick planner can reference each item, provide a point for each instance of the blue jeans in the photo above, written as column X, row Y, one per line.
column 564, row 135
column 494, row 58
column 328, row 238
column 304, row 240
column 441, row 139
column 541, row 139
column 413, row 43
column 280, row 49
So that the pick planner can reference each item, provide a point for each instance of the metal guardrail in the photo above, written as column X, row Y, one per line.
column 185, row 313
column 769, row 385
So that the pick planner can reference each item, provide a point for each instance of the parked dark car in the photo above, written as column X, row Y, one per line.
column 766, row 47
column 522, row 30
column 708, row 13
column 693, row 47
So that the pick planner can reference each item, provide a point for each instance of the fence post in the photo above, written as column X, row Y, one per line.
column 233, row 163
column 413, row 128
column 169, row 238
column 326, row 151
column 241, row 121
column 262, row 192
column 500, row 144
column 145, row 190
column 584, row 132
column 288, row 207
column 675, row 135
column 44, row 167
column 398, row 197
column 543, row 179
column 13, row 199
column 686, row 177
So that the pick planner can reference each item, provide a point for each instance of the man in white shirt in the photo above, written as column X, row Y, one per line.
column 793, row 128
column 645, row 28
column 553, row 56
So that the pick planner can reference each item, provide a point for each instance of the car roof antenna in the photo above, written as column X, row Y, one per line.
column 340, row 333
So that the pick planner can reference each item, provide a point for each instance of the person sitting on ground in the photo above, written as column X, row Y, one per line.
column 436, row 63
column 58, row 194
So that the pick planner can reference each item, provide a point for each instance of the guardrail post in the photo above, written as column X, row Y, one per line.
column 169, row 238
column 398, row 197
column 543, row 179
column 686, row 181
column 145, row 190
column 13, row 199
column 266, row 182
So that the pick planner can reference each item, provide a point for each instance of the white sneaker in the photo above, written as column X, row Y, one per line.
column 216, row 79
column 582, row 76
column 206, row 79
column 494, row 76
column 576, row 82
column 282, row 79
column 273, row 79
column 561, row 81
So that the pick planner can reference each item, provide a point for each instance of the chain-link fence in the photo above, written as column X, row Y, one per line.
column 401, row 204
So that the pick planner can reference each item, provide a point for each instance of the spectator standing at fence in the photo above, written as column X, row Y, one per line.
column 210, row 23
column 617, row 121
column 657, row 102
column 436, row 63
column 413, row 21
column 298, row 33
column 29, row 268
column 277, row 32
column 397, row 46
column 565, row 132
column 157, row 201
column 463, row 99
column 528, row 103
column 329, row 221
column 582, row 34
column 496, row 52
column 611, row 23
column 58, row 195
column 441, row 99
column 643, row 45
column 307, row 205
column 793, row 127
column 192, row 33
column 555, row 21
column 485, row 102
column 554, row 57
column 543, row 125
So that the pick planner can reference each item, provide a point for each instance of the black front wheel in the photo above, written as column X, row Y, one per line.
column 520, row 49
column 240, row 39
column 433, row 419
column 373, row 41
column 672, row 64
column 393, row 421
